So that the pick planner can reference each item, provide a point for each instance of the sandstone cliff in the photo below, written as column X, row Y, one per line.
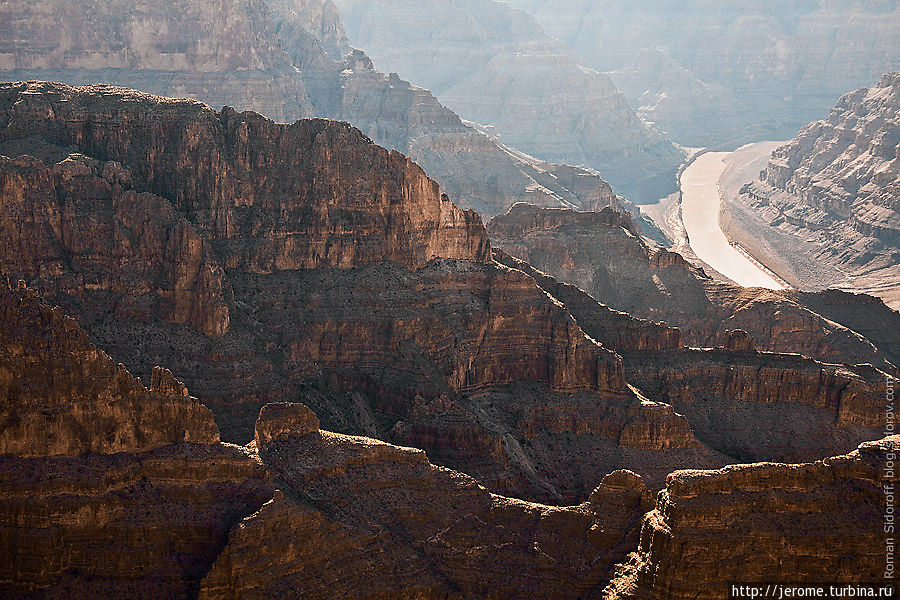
column 109, row 489
column 836, row 187
column 495, row 66
column 763, row 522
column 603, row 255
column 268, row 262
column 286, row 59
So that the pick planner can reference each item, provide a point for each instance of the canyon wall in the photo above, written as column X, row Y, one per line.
column 287, row 59
column 495, row 66
column 762, row 69
column 268, row 262
column 836, row 186
column 761, row 523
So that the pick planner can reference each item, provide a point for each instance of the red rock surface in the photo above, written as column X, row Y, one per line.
column 108, row 489
column 359, row 518
column 797, row 523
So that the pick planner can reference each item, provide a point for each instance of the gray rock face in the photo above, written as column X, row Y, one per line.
column 495, row 66
column 837, row 186
column 286, row 59
column 786, row 63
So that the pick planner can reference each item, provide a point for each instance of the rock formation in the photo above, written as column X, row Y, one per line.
column 708, row 527
column 286, row 59
column 495, row 66
column 265, row 263
column 602, row 254
column 110, row 489
column 272, row 262
column 836, row 189
column 419, row 532
column 784, row 63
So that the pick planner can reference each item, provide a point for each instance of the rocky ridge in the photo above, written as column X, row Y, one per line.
column 604, row 255
column 836, row 186
column 287, row 59
column 495, row 66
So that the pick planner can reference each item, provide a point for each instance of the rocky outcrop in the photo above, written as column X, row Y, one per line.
column 286, row 59
column 110, row 489
column 603, row 255
column 756, row 406
column 495, row 66
column 225, row 170
column 420, row 531
column 802, row 523
column 346, row 277
column 837, row 186
column 63, row 397
column 759, row 70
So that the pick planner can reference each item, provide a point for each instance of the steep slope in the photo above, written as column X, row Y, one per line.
column 785, row 63
column 108, row 488
column 420, row 532
column 264, row 261
column 286, row 59
column 747, row 404
column 602, row 254
column 836, row 189
column 495, row 66
column 801, row 523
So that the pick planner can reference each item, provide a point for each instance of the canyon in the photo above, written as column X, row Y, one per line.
column 286, row 59
column 833, row 191
column 721, row 76
column 359, row 386
column 495, row 66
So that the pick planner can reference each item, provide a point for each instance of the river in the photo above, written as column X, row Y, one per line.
column 700, row 206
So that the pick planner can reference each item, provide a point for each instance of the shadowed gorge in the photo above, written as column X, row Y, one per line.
column 396, row 358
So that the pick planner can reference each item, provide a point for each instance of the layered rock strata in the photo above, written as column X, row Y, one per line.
column 270, row 262
column 604, row 255
column 109, row 488
column 836, row 187
column 287, row 59
column 747, row 404
column 804, row 523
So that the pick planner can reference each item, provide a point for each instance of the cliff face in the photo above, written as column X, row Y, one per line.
column 762, row 69
column 837, row 186
column 286, row 59
column 268, row 262
column 109, row 488
column 707, row 528
column 495, row 66
column 330, row 533
column 603, row 255
column 226, row 171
